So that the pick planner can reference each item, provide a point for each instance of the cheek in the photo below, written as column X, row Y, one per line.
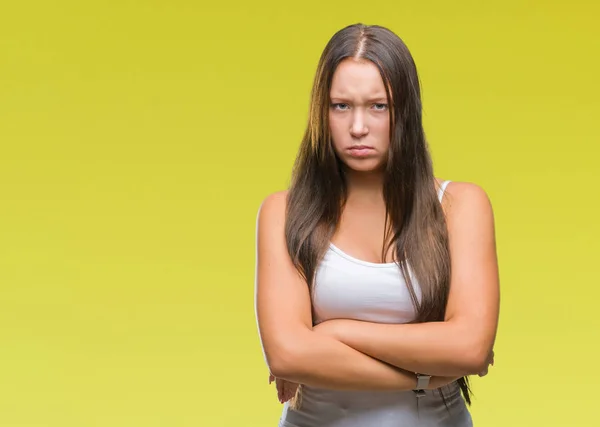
column 382, row 129
column 381, row 125
column 337, row 132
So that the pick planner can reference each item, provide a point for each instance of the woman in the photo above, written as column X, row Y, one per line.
column 376, row 284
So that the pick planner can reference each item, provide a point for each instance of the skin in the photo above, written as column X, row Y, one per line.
column 359, row 115
column 349, row 354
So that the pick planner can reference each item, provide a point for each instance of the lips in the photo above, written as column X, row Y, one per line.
column 361, row 151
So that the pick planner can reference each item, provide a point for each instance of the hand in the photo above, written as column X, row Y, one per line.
column 285, row 389
column 489, row 362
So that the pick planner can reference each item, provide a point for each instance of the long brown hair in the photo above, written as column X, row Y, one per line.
column 415, row 222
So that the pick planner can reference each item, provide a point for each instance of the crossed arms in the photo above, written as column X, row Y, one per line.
column 347, row 354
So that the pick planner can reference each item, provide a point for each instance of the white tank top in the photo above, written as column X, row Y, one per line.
column 347, row 287
column 350, row 288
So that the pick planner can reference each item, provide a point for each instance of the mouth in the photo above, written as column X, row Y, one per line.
column 360, row 150
column 360, row 147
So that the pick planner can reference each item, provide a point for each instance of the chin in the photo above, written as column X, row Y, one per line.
column 364, row 165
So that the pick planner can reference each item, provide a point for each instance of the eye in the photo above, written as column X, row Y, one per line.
column 339, row 106
column 380, row 107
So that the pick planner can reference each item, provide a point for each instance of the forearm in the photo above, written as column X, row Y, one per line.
column 436, row 348
column 319, row 360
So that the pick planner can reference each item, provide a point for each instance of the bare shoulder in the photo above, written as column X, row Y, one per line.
column 468, row 206
column 270, row 224
column 272, row 208
column 464, row 195
column 466, row 192
column 461, row 194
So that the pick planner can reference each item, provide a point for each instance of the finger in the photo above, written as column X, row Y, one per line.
column 286, row 391
column 280, row 391
column 271, row 378
column 291, row 390
column 283, row 392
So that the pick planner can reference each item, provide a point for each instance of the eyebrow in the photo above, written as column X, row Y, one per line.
column 373, row 99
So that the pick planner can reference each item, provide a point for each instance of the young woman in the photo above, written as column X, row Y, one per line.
column 377, row 285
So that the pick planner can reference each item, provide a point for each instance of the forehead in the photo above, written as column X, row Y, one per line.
column 357, row 78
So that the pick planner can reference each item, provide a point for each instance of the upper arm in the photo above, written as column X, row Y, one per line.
column 474, row 296
column 282, row 298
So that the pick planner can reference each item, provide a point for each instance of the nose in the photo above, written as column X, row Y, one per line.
column 359, row 126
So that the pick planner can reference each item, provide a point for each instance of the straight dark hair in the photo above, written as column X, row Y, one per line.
column 415, row 222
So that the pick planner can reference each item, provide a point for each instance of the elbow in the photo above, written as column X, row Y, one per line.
column 282, row 362
column 476, row 359
column 287, row 354
column 473, row 349
column 280, row 367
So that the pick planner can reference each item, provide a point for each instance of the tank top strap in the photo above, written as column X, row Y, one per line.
column 442, row 190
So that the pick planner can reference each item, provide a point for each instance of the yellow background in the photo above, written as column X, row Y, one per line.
column 138, row 138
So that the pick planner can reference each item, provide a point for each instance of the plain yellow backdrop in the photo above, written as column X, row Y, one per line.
column 138, row 138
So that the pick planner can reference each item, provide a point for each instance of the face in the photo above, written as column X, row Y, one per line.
column 359, row 115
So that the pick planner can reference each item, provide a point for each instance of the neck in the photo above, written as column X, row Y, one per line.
column 364, row 186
